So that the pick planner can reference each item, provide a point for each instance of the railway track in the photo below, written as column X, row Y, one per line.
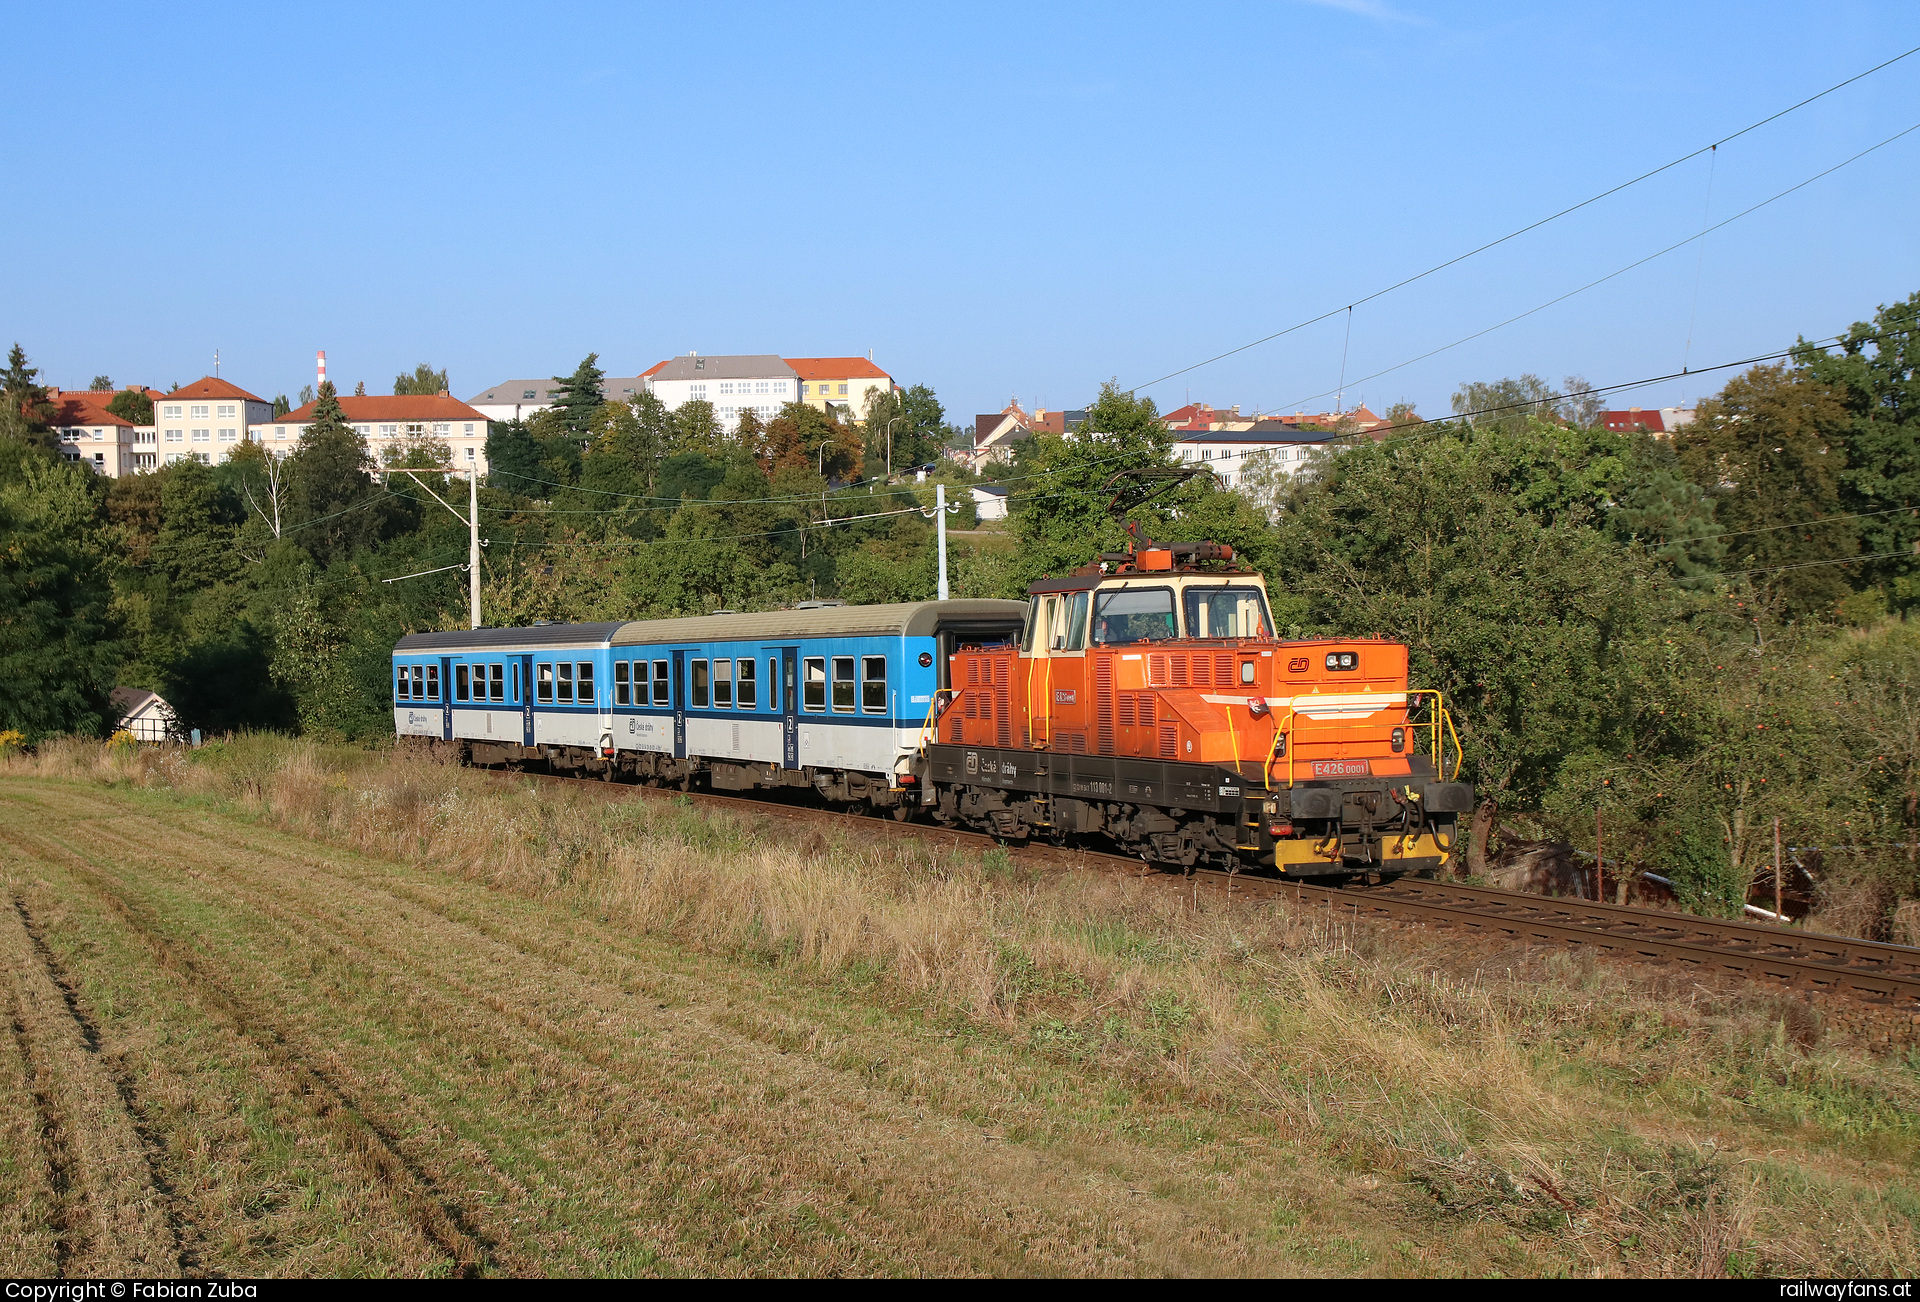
column 1797, row 960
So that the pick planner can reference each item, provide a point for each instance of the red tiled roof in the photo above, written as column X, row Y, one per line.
column 651, row 370
column 395, row 407
column 83, row 407
column 209, row 387
column 1634, row 418
column 835, row 368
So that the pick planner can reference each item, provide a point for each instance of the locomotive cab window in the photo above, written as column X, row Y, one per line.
column 497, row 683
column 1236, row 610
column 1129, row 615
column 543, row 680
column 743, row 690
column 843, row 682
column 1034, row 621
column 662, row 691
column 622, row 684
column 1077, row 621
column 700, row 684
column 460, row 681
column 583, row 683
column 723, row 684
column 816, row 674
column 873, row 684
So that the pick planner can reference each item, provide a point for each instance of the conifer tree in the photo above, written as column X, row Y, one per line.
column 579, row 398
column 24, row 409
column 331, row 488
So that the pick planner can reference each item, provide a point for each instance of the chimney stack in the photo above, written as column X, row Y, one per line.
column 323, row 370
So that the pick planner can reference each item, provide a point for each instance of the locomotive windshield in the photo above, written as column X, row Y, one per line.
column 1234, row 611
column 1133, row 615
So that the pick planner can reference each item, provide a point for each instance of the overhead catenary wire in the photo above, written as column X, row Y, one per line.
column 1531, row 226
column 1612, row 275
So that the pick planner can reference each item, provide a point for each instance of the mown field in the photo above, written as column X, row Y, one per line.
column 283, row 1009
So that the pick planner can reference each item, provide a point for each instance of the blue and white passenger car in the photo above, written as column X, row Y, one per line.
column 834, row 698
column 547, row 685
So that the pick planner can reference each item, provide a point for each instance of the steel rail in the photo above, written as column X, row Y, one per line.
column 1795, row 959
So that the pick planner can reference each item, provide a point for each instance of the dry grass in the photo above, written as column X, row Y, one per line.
column 1163, row 1087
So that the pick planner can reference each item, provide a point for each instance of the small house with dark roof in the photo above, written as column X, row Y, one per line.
column 142, row 713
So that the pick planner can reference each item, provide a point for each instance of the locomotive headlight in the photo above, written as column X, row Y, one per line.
column 1340, row 660
column 1246, row 671
column 1280, row 746
column 1399, row 740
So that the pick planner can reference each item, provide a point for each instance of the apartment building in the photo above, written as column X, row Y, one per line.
column 839, row 385
column 524, row 399
column 206, row 420
column 1225, row 451
column 759, row 382
column 93, row 436
column 388, row 420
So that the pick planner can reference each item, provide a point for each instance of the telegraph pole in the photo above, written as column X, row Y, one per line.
column 472, row 520
column 940, row 519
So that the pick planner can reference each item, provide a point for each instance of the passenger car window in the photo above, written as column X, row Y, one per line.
column 498, row 683
column 544, row 683
column 516, row 681
column 843, row 682
column 662, row 691
column 1133, row 615
column 622, row 687
column 873, row 684
column 403, row 689
column 460, row 683
column 723, row 684
column 745, row 689
column 700, row 684
column 816, row 686
column 433, row 682
column 583, row 689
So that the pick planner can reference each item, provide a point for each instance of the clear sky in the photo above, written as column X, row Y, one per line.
column 998, row 199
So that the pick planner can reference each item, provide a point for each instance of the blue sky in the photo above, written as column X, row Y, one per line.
column 998, row 200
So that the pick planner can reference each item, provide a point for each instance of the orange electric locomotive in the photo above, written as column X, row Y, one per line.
column 1150, row 702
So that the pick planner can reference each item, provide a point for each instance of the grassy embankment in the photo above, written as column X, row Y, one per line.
column 283, row 1009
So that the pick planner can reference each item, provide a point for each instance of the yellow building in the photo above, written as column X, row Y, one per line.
column 841, row 383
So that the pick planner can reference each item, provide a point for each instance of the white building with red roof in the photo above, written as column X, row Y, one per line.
column 206, row 420
column 388, row 420
column 95, row 437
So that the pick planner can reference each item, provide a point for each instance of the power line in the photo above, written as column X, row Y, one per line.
column 1584, row 203
column 1621, row 272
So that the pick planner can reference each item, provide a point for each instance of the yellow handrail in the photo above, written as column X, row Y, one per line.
column 1439, row 729
column 929, row 726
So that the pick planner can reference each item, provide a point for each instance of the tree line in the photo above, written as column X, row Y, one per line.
column 1691, row 635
